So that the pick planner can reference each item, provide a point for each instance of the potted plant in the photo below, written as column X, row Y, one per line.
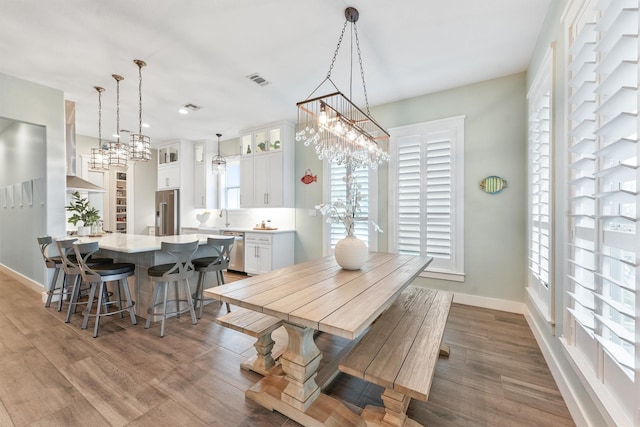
column 84, row 216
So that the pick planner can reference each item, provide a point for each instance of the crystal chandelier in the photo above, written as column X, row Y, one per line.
column 218, row 163
column 117, row 150
column 99, row 159
column 339, row 130
column 140, row 145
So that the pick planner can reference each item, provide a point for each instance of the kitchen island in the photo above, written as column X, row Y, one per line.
column 144, row 251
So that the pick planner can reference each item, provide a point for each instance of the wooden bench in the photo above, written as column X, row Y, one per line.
column 399, row 353
column 260, row 326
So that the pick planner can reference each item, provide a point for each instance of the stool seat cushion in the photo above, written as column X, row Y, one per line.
column 159, row 270
column 113, row 269
column 204, row 262
column 73, row 259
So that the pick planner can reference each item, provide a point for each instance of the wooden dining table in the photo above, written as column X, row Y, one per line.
column 318, row 295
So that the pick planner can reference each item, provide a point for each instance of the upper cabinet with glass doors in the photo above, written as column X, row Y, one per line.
column 262, row 141
column 267, row 166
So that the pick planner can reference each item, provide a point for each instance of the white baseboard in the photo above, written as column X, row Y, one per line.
column 491, row 303
column 24, row 280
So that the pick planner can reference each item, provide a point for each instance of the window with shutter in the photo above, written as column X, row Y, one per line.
column 337, row 190
column 603, row 242
column 426, row 194
column 540, row 230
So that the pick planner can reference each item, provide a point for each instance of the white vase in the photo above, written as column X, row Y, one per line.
column 351, row 253
column 83, row 230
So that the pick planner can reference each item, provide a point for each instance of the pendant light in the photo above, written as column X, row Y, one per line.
column 117, row 150
column 218, row 163
column 140, row 145
column 99, row 159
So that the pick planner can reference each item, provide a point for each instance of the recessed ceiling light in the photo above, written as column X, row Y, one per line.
column 145, row 125
column 183, row 111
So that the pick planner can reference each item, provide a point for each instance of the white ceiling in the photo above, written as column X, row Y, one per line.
column 200, row 52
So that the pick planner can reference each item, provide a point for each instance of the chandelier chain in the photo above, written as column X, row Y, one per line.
column 335, row 54
column 99, row 117
column 118, row 108
column 364, row 86
column 140, row 99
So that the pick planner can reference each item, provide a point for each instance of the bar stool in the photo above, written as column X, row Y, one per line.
column 71, row 270
column 99, row 275
column 218, row 262
column 176, row 273
column 56, row 263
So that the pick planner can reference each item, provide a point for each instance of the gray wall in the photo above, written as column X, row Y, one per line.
column 495, row 144
column 32, row 103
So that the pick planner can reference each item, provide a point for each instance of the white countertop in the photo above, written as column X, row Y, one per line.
column 240, row 229
column 134, row 243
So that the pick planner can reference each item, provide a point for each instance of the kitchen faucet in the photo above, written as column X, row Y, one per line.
column 226, row 218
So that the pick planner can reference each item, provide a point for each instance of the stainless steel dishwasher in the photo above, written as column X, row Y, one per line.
column 236, row 263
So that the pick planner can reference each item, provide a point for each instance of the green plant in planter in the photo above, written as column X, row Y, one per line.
column 82, row 211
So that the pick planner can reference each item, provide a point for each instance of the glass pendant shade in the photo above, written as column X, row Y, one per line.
column 99, row 158
column 340, row 131
column 218, row 163
column 139, row 148
column 139, row 144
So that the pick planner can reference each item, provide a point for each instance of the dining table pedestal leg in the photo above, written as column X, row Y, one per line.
column 296, row 393
column 300, row 363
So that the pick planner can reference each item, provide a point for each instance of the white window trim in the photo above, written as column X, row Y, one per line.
column 455, row 124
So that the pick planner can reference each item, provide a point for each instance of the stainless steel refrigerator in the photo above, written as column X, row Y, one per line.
column 167, row 212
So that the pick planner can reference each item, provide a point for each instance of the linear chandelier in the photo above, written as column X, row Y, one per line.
column 340, row 131
column 99, row 158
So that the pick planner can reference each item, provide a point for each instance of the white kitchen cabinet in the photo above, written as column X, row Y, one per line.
column 267, row 167
column 172, row 169
column 168, row 176
column 265, row 252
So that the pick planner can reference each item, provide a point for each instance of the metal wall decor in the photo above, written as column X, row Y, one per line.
column 493, row 184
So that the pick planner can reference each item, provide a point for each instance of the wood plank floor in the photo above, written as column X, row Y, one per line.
column 55, row 374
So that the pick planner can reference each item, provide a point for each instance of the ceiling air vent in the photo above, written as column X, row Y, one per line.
column 258, row 79
column 191, row 107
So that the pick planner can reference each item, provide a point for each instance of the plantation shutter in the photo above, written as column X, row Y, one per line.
column 604, row 248
column 426, row 214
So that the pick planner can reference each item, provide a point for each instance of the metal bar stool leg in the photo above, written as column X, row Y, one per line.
column 98, row 306
column 200, row 293
column 127, row 294
column 164, row 308
column 190, row 302
column 52, row 287
column 92, row 294
column 75, row 295
column 156, row 292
